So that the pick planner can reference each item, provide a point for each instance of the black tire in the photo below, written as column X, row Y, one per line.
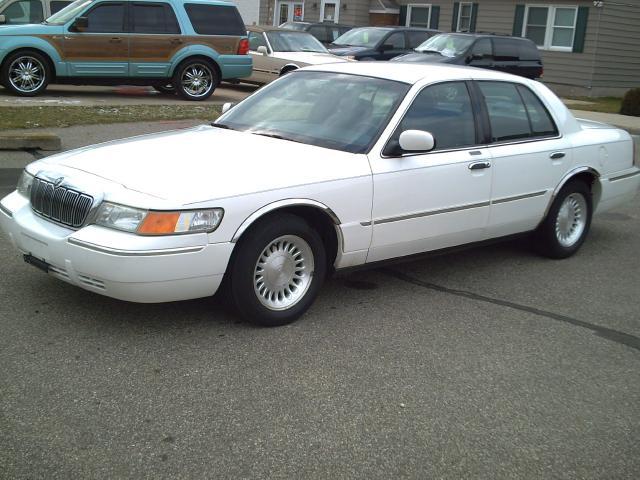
column 209, row 74
column 548, row 236
column 167, row 89
column 243, row 280
column 40, row 67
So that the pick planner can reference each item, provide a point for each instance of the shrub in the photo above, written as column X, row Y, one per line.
column 631, row 103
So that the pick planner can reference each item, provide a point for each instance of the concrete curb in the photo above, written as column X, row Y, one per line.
column 27, row 141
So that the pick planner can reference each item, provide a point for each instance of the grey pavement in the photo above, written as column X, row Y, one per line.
column 489, row 363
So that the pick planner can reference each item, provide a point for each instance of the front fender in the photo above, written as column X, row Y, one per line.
column 12, row 44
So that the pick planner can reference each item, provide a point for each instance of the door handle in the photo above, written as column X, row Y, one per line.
column 557, row 155
column 116, row 40
column 479, row 165
column 475, row 152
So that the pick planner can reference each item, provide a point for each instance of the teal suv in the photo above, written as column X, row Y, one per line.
column 187, row 46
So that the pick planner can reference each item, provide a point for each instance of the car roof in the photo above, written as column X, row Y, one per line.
column 411, row 29
column 414, row 72
column 487, row 35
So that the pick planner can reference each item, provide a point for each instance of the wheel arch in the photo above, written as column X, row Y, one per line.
column 588, row 175
column 191, row 53
column 289, row 67
column 319, row 216
column 34, row 49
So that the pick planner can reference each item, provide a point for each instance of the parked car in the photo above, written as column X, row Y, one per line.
column 515, row 55
column 192, row 44
column 16, row 12
column 454, row 156
column 379, row 43
column 277, row 51
column 325, row 32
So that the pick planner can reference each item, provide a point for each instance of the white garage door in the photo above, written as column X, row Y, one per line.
column 249, row 9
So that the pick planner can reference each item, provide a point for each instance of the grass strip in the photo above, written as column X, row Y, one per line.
column 66, row 116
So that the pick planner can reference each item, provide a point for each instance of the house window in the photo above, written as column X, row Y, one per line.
column 551, row 28
column 418, row 15
column 464, row 17
column 330, row 11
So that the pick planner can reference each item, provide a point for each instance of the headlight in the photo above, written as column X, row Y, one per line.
column 145, row 222
column 24, row 184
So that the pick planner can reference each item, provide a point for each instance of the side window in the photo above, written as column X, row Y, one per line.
column 541, row 122
column 215, row 19
column 396, row 40
column 57, row 5
column 482, row 48
column 505, row 49
column 154, row 18
column 26, row 11
column 106, row 18
column 417, row 38
column 507, row 113
column 319, row 32
column 256, row 40
column 445, row 111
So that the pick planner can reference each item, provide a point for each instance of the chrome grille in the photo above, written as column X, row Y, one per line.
column 60, row 204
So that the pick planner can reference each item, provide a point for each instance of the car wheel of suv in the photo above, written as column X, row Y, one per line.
column 565, row 228
column 25, row 73
column 196, row 79
column 278, row 270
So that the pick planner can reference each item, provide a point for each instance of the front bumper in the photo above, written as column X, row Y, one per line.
column 118, row 264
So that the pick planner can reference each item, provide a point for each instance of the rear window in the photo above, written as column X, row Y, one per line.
column 215, row 20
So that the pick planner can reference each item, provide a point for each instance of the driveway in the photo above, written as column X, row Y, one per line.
column 488, row 363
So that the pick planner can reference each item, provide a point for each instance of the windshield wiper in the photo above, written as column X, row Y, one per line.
column 221, row 125
column 428, row 51
column 274, row 135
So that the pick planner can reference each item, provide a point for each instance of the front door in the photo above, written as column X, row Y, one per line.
column 101, row 50
column 287, row 11
column 155, row 39
column 392, row 46
column 265, row 68
column 427, row 201
column 529, row 157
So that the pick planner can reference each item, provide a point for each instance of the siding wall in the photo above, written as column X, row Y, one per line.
column 356, row 13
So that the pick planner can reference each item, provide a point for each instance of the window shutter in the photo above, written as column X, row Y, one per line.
column 435, row 17
column 402, row 21
column 454, row 20
column 518, row 21
column 581, row 29
column 474, row 17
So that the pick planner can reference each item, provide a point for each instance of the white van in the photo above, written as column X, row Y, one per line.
column 16, row 12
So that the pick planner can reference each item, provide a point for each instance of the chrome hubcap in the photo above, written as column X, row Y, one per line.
column 283, row 272
column 197, row 80
column 26, row 74
column 571, row 220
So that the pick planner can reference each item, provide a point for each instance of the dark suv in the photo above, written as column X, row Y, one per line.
column 379, row 43
column 515, row 55
column 325, row 32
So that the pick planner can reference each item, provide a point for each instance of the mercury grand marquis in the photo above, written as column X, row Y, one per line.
column 329, row 167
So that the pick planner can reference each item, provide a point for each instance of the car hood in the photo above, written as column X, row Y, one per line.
column 348, row 50
column 310, row 58
column 422, row 58
column 29, row 29
column 204, row 163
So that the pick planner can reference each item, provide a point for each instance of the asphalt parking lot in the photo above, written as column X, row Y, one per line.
column 487, row 363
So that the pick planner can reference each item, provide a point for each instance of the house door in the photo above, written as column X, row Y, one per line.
column 288, row 12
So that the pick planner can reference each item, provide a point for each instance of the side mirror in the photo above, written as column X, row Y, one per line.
column 416, row 141
column 226, row 107
column 3, row 19
column 80, row 24
column 263, row 50
column 474, row 56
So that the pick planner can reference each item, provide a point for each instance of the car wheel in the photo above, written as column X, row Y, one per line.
column 196, row 79
column 167, row 89
column 277, row 271
column 26, row 74
column 565, row 228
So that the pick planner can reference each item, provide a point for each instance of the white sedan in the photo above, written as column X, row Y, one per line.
column 277, row 51
column 328, row 167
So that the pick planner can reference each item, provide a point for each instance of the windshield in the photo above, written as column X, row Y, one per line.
column 447, row 45
column 294, row 42
column 330, row 110
column 361, row 37
column 68, row 13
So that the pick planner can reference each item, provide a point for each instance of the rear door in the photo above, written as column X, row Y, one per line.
column 102, row 50
column 155, row 39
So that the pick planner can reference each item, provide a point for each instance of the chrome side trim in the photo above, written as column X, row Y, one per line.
column 626, row 175
column 519, row 197
column 429, row 213
column 565, row 179
column 6, row 211
column 289, row 202
column 132, row 253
